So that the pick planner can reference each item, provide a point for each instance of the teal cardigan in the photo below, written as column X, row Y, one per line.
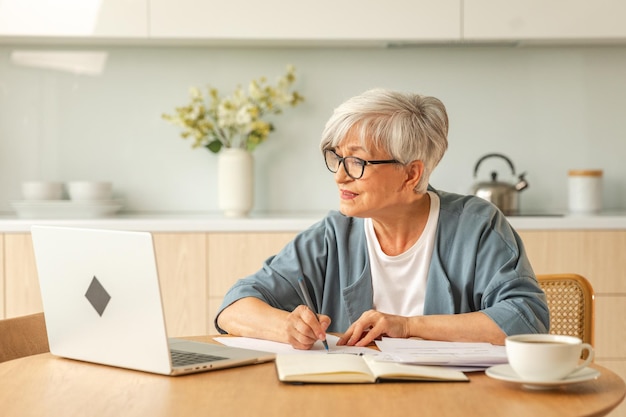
column 478, row 264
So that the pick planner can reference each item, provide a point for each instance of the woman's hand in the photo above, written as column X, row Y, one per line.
column 372, row 325
column 251, row 317
column 303, row 328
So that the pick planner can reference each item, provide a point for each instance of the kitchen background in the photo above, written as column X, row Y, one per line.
column 548, row 108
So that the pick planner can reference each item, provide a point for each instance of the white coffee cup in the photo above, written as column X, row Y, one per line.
column 546, row 357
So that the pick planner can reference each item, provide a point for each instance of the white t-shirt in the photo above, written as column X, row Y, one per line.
column 399, row 282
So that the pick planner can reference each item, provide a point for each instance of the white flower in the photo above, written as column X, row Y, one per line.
column 244, row 116
column 236, row 120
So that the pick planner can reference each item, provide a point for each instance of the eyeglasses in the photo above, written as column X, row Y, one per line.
column 354, row 166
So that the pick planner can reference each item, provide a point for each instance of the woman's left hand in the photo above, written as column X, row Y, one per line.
column 372, row 325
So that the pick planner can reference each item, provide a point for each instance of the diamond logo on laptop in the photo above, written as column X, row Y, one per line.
column 97, row 296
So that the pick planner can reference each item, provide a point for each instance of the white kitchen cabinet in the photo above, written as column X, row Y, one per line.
column 232, row 256
column 21, row 283
column 74, row 18
column 321, row 20
column 549, row 20
column 181, row 261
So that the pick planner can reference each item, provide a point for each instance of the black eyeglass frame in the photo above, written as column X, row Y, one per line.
column 361, row 162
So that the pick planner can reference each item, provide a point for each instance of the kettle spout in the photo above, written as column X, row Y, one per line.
column 522, row 183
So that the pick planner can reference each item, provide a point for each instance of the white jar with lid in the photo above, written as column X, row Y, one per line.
column 585, row 191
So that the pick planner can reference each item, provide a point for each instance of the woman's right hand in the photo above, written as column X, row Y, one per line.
column 303, row 328
column 251, row 317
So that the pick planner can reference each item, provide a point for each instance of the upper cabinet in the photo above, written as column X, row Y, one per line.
column 320, row 22
column 549, row 20
column 301, row 21
column 74, row 18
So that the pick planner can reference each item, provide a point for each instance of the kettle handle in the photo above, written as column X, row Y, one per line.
column 493, row 155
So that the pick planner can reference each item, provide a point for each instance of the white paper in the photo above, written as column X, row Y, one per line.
column 277, row 347
column 427, row 352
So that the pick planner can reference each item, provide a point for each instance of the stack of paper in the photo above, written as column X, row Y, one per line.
column 428, row 352
column 459, row 355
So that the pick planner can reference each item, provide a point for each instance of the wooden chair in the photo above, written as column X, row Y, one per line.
column 23, row 336
column 571, row 304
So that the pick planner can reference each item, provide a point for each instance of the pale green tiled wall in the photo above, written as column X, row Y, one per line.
column 548, row 108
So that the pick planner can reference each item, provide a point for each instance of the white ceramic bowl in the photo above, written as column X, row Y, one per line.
column 89, row 190
column 42, row 190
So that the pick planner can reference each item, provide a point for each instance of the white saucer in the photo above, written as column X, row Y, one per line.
column 506, row 373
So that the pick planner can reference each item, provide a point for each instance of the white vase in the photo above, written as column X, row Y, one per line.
column 235, row 182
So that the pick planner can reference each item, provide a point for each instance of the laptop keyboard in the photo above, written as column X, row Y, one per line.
column 182, row 358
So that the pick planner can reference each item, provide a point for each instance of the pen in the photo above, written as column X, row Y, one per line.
column 309, row 303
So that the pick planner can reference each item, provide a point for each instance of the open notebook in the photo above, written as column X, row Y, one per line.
column 349, row 368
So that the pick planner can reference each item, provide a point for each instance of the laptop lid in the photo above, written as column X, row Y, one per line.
column 102, row 302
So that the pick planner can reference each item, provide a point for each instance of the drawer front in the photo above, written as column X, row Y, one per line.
column 610, row 327
column 598, row 255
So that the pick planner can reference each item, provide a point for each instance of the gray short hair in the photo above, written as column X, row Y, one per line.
column 407, row 126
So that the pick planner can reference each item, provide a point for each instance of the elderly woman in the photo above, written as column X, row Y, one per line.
column 400, row 259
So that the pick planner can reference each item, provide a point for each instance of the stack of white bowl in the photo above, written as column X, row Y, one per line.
column 73, row 199
column 76, row 190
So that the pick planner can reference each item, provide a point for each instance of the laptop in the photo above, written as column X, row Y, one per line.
column 102, row 304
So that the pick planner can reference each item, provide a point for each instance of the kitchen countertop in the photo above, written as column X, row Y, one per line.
column 280, row 222
column 175, row 222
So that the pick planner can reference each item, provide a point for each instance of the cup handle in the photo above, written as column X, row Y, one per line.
column 589, row 349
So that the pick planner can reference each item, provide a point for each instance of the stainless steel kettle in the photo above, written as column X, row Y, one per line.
column 503, row 194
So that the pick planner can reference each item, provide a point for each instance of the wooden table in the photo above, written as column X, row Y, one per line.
column 45, row 385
